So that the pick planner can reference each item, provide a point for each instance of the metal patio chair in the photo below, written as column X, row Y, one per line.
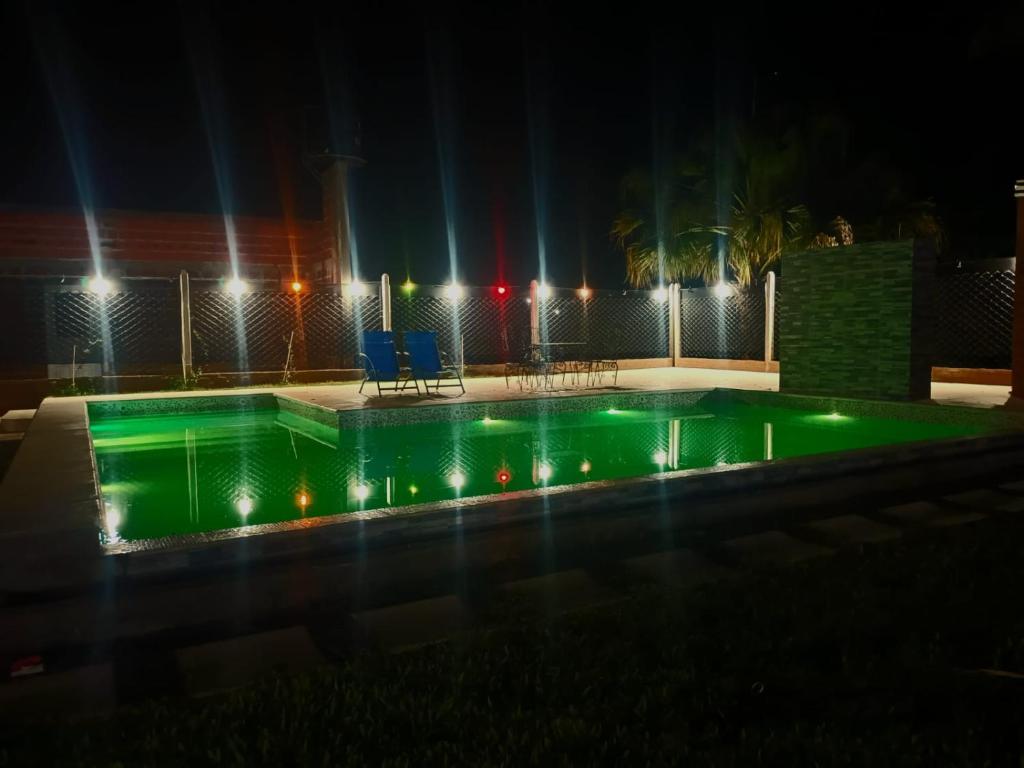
column 428, row 362
column 381, row 365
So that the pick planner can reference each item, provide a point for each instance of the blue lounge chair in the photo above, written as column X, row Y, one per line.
column 378, row 337
column 381, row 366
column 428, row 362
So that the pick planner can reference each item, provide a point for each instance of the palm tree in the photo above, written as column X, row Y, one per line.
column 761, row 223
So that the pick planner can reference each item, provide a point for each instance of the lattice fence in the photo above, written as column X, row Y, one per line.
column 729, row 327
column 480, row 326
column 611, row 324
column 974, row 319
column 323, row 326
column 140, row 323
column 48, row 322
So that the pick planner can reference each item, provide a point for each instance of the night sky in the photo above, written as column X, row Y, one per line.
column 528, row 102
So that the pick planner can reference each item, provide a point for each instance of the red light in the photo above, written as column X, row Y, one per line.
column 502, row 291
column 504, row 476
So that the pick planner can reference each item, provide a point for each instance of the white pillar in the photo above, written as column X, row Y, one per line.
column 385, row 302
column 769, row 320
column 534, row 312
column 186, row 327
column 674, row 324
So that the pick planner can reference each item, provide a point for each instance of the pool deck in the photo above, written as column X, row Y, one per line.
column 346, row 395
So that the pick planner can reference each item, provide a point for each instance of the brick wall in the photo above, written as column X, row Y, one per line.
column 856, row 321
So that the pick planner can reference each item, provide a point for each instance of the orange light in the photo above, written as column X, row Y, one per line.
column 504, row 476
column 296, row 287
column 303, row 500
column 584, row 292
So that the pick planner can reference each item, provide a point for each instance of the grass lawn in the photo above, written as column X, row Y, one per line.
column 867, row 658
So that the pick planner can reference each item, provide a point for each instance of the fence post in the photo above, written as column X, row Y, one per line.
column 534, row 313
column 1017, row 348
column 385, row 302
column 674, row 324
column 186, row 327
column 769, row 320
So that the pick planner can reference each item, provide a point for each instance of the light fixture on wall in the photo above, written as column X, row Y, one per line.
column 100, row 285
column 236, row 286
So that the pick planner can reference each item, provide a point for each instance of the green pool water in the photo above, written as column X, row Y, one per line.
column 181, row 474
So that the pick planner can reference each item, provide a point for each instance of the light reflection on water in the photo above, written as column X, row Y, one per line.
column 171, row 475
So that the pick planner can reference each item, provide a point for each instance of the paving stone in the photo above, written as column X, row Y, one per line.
column 774, row 547
column 677, row 567
column 559, row 591
column 17, row 420
column 411, row 624
column 986, row 499
column 914, row 513
column 82, row 690
column 854, row 529
column 928, row 513
column 225, row 664
column 957, row 518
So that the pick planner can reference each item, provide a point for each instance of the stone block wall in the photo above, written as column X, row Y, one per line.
column 857, row 321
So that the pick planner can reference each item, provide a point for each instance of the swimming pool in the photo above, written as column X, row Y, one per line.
column 166, row 470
